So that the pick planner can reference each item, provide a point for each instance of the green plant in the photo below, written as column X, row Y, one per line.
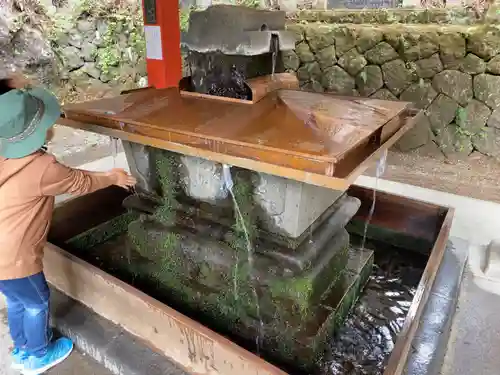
column 166, row 169
column 137, row 42
column 244, row 211
column 248, row 3
column 103, row 8
column 118, row 18
column 184, row 18
column 363, row 76
column 108, row 56
column 461, row 116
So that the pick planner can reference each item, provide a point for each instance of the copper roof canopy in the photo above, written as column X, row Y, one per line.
column 322, row 139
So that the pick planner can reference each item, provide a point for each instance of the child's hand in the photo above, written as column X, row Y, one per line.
column 122, row 178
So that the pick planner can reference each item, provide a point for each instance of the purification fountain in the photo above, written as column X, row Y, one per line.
column 239, row 215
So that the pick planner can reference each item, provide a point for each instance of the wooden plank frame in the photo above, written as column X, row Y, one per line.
column 350, row 170
column 195, row 347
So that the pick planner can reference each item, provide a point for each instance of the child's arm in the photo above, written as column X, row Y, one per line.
column 59, row 179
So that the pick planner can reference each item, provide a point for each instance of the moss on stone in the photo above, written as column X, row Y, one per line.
column 245, row 216
column 103, row 232
column 299, row 289
column 162, row 248
column 171, row 264
column 440, row 16
column 307, row 291
column 303, row 344
column 410, row 62
column 166, row 170
column 119, row 21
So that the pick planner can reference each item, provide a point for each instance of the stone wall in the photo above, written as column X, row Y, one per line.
column 93, row 49
column 464, row 15
column 23, row 44
column 101, row 52
column 450, row 71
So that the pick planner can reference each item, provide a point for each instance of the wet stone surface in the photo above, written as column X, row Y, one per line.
column 361, row 346
column 221, row 75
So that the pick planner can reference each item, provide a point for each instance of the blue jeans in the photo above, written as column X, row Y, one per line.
column 28, row 313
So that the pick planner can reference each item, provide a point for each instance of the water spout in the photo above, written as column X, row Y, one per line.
column 228, row 179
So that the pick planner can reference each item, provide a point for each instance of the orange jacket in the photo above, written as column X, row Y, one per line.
column 28, row 187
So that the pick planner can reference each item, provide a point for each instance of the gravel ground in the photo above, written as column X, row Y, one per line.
column 76, row 147
column 478, row 177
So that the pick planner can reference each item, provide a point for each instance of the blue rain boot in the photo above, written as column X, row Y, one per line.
column 57, row 352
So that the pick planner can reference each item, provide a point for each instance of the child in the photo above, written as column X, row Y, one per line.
column 29, row 181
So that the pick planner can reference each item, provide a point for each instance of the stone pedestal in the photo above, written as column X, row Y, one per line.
column 286, row 208
column 200, row 248
column 268, row 259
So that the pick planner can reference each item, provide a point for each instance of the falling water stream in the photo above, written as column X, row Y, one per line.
column 228, row 181
column 114, row 154
column 381, row 164
column 274, row 49
column 114, row 151
column 229, row 184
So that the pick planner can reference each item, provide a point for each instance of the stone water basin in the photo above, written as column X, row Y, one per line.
column 355, row 345
column 244, row 219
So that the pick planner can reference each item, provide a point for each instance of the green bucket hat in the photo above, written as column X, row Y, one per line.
column 25, row 117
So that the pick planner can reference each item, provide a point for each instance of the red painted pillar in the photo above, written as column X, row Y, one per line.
column 163, row 42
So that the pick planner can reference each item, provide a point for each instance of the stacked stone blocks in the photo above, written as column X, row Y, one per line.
column 451, row 72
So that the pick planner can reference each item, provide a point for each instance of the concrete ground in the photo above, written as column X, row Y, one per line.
column 475, row 337
column 76, row 364
column 474, row 345
column 476, row 177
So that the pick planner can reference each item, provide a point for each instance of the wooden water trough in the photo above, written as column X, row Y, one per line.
column 184, row 123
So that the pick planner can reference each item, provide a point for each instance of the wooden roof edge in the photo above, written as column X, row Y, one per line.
column 334, row 183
